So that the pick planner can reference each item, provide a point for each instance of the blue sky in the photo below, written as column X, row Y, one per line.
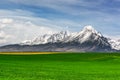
column 26, row 19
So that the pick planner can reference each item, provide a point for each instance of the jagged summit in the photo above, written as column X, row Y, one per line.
column 115, row 43
column 87, row 34
column 88, row 39
column 46, row 38
column 89, row 27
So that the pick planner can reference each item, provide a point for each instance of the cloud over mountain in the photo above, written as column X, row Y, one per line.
column 16, row 30
column 69, row 15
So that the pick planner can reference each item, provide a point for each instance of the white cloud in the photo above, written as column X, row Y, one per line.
column 6, row 21
column 4, row 37
column 19, row 25
column 17, row 30
column 20, row 28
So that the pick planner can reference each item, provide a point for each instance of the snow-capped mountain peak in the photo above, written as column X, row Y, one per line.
column 46, row 38
column 115, row 43
column 87, row 33
column 90, row 29
column 88, row 39
column 58, row 37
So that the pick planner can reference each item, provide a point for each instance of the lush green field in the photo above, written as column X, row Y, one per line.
column 85, row 66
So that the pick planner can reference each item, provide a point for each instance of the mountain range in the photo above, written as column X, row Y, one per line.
column 87, row 40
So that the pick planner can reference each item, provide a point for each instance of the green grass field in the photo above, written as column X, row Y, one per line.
column 85, row 66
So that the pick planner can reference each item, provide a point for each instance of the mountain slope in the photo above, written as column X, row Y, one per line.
column 115, row 44
column 87, row 40
column 57, row 37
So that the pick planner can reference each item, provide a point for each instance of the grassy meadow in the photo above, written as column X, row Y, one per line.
column 61, row 66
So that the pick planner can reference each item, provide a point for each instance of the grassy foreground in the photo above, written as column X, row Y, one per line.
column 85, row 66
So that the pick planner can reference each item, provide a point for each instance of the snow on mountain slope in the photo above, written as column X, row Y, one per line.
column 85, row 35
column 57, row 37
column 115, row 44
column 88, row 34
column 87, row 40
column 41, row 39
column 26, row 42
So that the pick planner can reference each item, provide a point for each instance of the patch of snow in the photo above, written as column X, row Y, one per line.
column 66, row 36
column 115, row 44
